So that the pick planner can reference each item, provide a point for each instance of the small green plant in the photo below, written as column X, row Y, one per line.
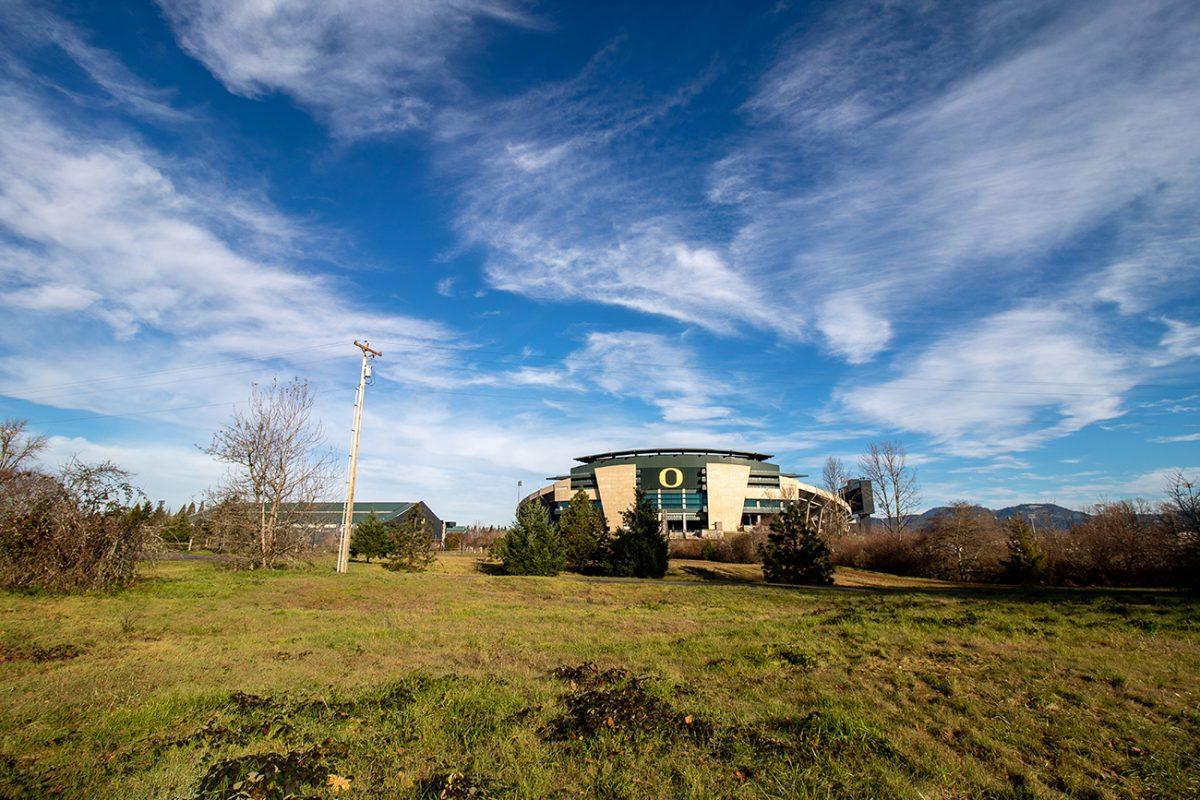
column 796, row 552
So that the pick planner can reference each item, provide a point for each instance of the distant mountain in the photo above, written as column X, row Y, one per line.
column 1044, row 516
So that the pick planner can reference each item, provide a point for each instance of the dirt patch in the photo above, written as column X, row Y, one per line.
column 35, row 652
column 615, row 700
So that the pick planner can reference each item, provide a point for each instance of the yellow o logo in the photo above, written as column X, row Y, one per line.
column 670, row 478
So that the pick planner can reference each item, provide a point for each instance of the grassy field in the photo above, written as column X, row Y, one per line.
column 457, row 683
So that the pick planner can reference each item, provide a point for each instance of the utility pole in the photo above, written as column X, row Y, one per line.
column 343, row 560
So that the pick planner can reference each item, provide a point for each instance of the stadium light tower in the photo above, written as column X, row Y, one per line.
column 343, row 560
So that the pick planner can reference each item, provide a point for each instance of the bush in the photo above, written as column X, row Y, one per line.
column 1121, row 544
column 708, row 551
column 744, row 548
column 685, row 548
column 883, row 552
column 74, row 531
column 371, row 538
column 410, row 544
column 452, row 541
column 795, row 551
column 532, row 546
column 639, row 549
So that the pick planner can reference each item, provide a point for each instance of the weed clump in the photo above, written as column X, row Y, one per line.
column 455, row 785
column 265, row 776
column 244, row 701
column 617, row 701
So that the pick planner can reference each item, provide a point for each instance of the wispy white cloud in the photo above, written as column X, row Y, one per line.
column 26, row 27
column 656, row 369
column 1186, row 437
column 972, row 172
column 134, row 262
column 364, row 68
column 1006, row 383
column 1182, row 340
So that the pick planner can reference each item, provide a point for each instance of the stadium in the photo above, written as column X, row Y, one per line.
column 699, row 492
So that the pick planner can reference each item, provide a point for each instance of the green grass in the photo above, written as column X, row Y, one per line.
column 734, row 689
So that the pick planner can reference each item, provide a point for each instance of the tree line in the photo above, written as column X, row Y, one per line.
column 794, row 550
column 1121, row 543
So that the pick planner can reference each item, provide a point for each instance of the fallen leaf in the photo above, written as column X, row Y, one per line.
column 338, row 784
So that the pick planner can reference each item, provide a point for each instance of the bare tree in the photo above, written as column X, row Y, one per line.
column 833, row 475
column 279, row 466
column 1180, row 519
column 963, row 543
column 17, row 447
column 885, row 464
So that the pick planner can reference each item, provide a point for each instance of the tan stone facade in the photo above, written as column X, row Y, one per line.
column 617, row 487
column 727, row 484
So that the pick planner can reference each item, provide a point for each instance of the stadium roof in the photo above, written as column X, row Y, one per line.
column 674, row 451
column 331, row 513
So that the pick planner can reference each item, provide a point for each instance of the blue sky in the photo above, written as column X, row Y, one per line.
column 793, row 227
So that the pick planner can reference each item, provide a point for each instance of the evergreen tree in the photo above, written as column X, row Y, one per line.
column 178, row 530
column 639, row 549
column 191, row 509
column 583, row 533
column 371, row 538
column 795, row 551
column 410, row 544
column 532, row 546
column 1026, row 562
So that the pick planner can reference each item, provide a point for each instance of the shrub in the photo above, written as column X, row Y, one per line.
column 532, row 546
column 371, row 538
column 744, row 547
column 452, row 541
column 685, row 548
column 410, row 544
column 1121, row 544
column 708, row 551
column 73, row 531
column 795, row 551
column 639, row 549
column 883, row 552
